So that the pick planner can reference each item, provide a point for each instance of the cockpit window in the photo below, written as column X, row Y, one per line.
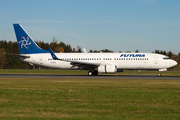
column 166, row 58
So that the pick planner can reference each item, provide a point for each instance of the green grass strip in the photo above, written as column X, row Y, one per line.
column 45, row 99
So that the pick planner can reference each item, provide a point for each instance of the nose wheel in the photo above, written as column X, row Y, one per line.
column 159, row 74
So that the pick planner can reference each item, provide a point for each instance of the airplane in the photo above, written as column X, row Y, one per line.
column 94, row 62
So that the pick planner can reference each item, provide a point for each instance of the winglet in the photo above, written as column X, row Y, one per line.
column 53, row 55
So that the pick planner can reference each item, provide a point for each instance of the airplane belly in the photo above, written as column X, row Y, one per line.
column 59, row 64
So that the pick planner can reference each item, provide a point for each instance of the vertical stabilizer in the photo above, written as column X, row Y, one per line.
column 25, row 42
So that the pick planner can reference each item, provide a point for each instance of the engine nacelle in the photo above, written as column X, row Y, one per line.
column 107, row 69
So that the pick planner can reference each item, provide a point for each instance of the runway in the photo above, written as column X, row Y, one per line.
column 90, row 77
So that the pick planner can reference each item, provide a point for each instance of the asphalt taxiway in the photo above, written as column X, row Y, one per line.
column 91, row 77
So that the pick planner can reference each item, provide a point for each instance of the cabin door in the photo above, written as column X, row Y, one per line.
column 155, row 59
column 41, row 59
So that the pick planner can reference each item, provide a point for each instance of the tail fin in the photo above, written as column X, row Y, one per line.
column 25, row 42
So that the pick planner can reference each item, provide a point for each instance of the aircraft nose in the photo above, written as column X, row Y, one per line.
column 173, row 62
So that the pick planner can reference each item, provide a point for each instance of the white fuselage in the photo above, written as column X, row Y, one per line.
column 121, row 60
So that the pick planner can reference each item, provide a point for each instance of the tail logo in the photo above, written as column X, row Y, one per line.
column 24, row 42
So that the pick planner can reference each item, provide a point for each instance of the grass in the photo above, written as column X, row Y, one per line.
column 67, row 99
column 84, row 72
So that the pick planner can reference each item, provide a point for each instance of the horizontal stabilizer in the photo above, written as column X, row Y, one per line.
column 19, row 55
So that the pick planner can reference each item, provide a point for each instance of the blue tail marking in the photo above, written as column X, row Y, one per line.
column 25, row 42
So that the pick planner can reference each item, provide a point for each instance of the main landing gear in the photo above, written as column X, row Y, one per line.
column 94, row 72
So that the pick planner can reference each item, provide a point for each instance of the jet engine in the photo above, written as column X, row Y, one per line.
column 107, row 68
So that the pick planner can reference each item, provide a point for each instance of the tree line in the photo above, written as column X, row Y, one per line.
column 12, row 62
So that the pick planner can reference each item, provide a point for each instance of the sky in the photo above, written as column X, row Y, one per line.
column 117, row 25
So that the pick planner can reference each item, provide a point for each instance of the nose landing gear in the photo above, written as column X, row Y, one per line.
column 159, row 74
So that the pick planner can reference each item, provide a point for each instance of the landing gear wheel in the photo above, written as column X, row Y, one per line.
column 159, row 74
column 90, row 73
column 95, row 72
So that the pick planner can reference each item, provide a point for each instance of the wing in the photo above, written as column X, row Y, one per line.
column 80, row 64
